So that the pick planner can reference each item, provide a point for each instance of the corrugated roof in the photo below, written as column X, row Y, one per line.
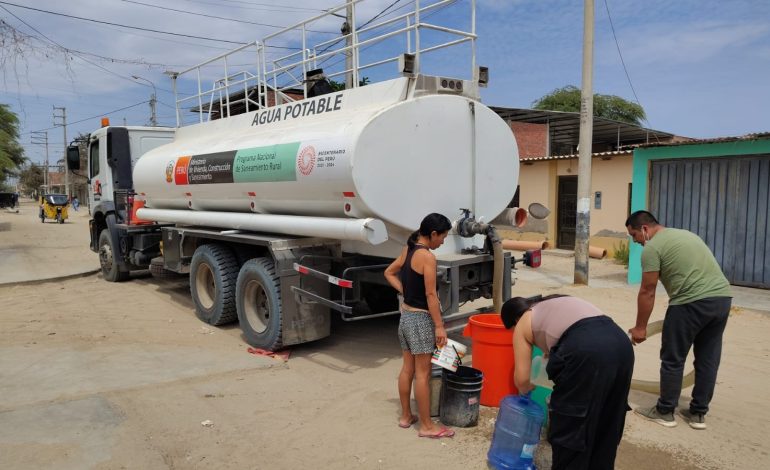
column 604, row 155
column 565, row 127
column 715, row 140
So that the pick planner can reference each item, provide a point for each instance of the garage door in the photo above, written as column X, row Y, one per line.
column 724, row 201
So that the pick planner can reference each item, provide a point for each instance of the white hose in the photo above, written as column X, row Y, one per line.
column 652, row 386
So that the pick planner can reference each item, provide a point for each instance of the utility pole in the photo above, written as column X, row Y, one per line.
column 63, row 123
column 41, row 138
column 582, row 230
column 347, row 28
column 153, row 100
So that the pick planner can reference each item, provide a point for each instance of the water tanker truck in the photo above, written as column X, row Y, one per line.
column 283, row 208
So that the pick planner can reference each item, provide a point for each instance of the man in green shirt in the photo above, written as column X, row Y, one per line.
column 699, row 304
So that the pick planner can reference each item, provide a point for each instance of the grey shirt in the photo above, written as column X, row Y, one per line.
column 551, row 318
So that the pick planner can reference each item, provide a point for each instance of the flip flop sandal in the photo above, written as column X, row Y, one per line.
column 411, row 422
column 445, row 432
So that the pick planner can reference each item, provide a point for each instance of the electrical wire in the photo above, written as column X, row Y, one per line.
column 288, row 7
column 219, row 17
column 362, row 26
column 89, row 118
column 372, row 45
column 64, row 48
column 381, row 13
column 623, row 62
column 135, row 27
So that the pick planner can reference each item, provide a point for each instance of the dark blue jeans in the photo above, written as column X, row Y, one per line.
column 699, row 325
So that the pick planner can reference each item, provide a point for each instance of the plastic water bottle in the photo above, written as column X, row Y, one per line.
column 517, row 433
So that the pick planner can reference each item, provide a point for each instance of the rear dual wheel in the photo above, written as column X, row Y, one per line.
column 222, row 293
column 258, row 302
column 213, row 272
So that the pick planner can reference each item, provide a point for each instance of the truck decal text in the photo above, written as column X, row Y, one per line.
column 266, row 164
column 324, row 104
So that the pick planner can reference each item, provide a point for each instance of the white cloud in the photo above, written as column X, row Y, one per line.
column 691, row 44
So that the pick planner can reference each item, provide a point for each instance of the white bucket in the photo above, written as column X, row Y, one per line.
column 449, row 356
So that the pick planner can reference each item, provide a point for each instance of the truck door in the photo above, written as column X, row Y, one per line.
column 99, row 187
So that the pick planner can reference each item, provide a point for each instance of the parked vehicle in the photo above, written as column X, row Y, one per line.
column 8, row 200
column 283, row 210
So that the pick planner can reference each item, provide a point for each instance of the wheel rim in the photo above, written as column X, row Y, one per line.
column 256, row 306
column 204, row 286
column 105, row 258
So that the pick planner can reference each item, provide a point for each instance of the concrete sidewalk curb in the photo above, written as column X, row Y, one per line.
column 32, row 282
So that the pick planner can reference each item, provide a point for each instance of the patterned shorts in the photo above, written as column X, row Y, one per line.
column 416, row 332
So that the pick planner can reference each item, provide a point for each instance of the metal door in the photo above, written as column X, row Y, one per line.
column 725, row 202
column 567, row 218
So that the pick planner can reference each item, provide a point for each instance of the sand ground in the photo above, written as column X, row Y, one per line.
column 111, row 376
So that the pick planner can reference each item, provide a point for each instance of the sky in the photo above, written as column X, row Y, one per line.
column 699, row 68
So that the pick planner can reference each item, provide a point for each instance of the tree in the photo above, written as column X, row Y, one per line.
column 339, row 86
column 31, row 179
column 605, row 106
column 11, row 153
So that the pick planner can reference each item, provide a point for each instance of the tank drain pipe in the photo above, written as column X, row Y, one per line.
column 468, row 227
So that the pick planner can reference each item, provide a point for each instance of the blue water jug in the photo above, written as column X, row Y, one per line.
column 517, row 433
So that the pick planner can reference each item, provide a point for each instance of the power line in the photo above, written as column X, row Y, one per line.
column 288, row 8
column 623, row 62
column 362, row 26
column 27, row 36
column 93, row 117
column 124, row 26
column 381, row 13
column 64, row 48
column 220, row 17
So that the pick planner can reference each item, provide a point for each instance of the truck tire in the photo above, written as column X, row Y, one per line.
column 110, row 269
column 258, row 298
column 213, row 273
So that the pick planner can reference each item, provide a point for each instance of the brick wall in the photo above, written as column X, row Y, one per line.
column 531, row 138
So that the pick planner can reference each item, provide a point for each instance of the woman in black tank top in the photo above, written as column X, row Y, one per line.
column 413, row 275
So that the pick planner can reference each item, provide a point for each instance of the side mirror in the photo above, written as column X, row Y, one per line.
column 73, row 157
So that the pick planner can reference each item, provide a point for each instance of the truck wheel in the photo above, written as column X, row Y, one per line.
column 110, row 269
column 258, row 298
column 213, row 273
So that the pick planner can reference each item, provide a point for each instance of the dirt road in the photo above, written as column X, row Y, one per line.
column 107, row 376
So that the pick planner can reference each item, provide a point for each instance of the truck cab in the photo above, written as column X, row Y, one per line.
column 107, row 170
column 112, row 155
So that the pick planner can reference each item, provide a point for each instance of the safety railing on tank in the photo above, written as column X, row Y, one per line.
column 278, row 80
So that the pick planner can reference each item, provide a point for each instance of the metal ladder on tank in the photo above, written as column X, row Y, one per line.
column 274, row 80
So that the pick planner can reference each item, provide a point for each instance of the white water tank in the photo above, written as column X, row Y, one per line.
column 366, row 152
